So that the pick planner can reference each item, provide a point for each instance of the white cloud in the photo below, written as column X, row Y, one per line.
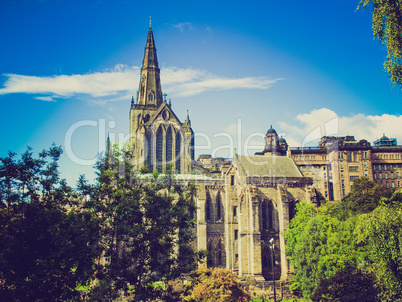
column 183, row 26
column 121, row 82
column 310, row 127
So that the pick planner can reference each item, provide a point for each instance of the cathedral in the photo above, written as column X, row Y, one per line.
column 244, row 206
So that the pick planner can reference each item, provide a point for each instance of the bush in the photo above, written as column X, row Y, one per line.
column 214, row 285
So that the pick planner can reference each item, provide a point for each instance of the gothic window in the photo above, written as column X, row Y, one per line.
column 151, row 151
column 178, row 151
column 169, row 142
column 146, row 118
column 267, row 215
column 218, row 207
column 150, row 97
column 219, row 252
column 159, row 148
column 208, row 207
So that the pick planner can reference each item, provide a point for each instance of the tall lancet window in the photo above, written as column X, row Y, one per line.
column 169, row 142
column 178, row 151
column 150, row 155
column 208, row 207
column 159, row 149
column 218, row 206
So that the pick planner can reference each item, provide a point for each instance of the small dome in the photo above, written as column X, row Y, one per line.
column 271, row 130
column 282, row 140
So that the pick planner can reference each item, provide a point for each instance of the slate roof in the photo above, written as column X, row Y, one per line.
column 273, row 166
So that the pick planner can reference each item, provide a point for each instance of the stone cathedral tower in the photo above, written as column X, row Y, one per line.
column 158, row 138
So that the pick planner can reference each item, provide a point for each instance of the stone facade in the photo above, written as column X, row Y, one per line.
column 157, row 136
column 242, row 204
column 337, row 161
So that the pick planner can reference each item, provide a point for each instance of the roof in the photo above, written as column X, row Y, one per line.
column 271, row 130
column 272, row 166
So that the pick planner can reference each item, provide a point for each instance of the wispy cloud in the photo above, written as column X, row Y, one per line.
column 121, row 81
column 310, row 127
column 184, row 26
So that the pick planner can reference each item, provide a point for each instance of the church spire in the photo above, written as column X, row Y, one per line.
column 150, row 91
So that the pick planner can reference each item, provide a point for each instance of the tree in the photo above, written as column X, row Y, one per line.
column 387, row 27
column 214, row 285
column 365, row 196
column 47, row 242
column 147, row 227
column 381, row 231
column 347, row 285
column 319, row 244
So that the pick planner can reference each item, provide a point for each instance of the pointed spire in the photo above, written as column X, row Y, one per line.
column 150, row 90
column 132, row 101
column 187, row 123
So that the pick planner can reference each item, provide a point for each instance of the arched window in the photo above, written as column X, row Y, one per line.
column 208, row 207
column 159, row 149
column 169, row 142
column 178, row 151
column 150, row 155
column 218, row 206
column 150, row 97
column 266, row 215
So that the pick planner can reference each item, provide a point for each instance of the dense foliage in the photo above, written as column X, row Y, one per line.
column 387, row 27
column 147, row 227
column 47, row 242
column 330, row 244
column 214, row 285
column 116, row 237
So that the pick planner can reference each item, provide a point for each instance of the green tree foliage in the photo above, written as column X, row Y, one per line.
column 365, row 196
column 387, row 27
column 214, row 285
column 381, row 231
column 319, row 244
column 147, row 227
column 47, row 242
column 304, row 211
column 347, row 285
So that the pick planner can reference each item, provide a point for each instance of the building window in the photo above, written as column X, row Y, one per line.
column 208, row 207
column 386, row 176
column 352, row 178
column 392, row 175
column 393, row 185
column 353, row 169
column 236, row 234
column 387, row 184
column 325, row 185
column 365, row 164
column 380, row 175
column 343, row 192
column 366, row 173
column 343, row 183
column 341, row 165
column 385, row 167
column 218, row 207
column 232, row 180
column 375, row 176
column 234, row 211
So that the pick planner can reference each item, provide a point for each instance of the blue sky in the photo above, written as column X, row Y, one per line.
column 68, row 70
